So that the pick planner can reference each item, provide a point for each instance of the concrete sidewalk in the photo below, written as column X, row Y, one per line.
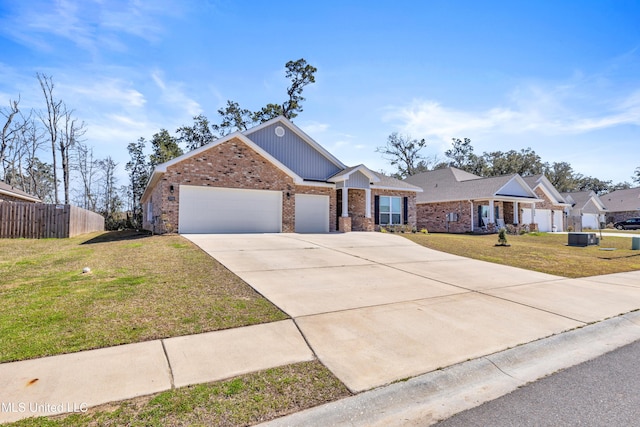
column 76, row 381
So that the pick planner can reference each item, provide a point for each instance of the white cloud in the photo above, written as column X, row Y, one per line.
column 313, row 128
column 91, row 25
column 172, row 94
column 109, row 90
column 533, row 110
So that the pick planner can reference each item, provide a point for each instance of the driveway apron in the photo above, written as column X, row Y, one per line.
column 377, row 308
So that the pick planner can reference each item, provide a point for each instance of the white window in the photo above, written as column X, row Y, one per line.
column 390, row 210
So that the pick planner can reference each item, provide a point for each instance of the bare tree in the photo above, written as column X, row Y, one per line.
column 111, row 201
column 86, row 166
column 51, row 120
column 70, row 134
column 403, row 152
column 10, row 132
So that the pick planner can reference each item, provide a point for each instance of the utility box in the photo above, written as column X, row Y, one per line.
column 452, row 217
column 635, row 243
column 582, row 239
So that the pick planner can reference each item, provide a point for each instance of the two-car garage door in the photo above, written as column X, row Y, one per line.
column 231, row 210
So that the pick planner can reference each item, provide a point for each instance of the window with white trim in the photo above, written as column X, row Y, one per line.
column 390, row 210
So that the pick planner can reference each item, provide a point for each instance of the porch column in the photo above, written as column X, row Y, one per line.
column 345, row 202
column 533, row 213
column 492, row 218
column 472, row 223
column 367, row 203
column 516, row 213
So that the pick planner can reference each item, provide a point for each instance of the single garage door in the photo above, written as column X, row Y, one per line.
column 558, row 217
column 312, row 213
column 543, row 218
column 229, row 210
column 590, row 221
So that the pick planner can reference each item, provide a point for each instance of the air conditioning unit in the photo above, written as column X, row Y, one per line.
column 582, row 239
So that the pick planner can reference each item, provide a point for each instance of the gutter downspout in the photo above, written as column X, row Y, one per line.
column 472, row 228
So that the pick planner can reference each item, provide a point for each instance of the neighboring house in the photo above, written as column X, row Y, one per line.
column 587, row 210
column 550, row 214
column 271, row 178
column 10, row 194
column 622, row 204
column 456, row 201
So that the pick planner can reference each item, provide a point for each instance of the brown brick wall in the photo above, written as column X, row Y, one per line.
column 7, row 198
column 231, row 164
column 357, row 204
column 411, row 199
column 433, row 217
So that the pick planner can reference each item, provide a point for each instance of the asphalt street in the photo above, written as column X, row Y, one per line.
column 602, row 392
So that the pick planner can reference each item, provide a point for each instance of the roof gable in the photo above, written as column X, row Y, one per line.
column 583, row 200
column 516, row 186
column 543, row 183
column 162, row 168
column 292, row 147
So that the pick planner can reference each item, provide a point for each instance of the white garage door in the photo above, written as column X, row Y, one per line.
column 229, row 210
column 312, row 213
column 558, row 220
column 590, row 221
column 543, row 218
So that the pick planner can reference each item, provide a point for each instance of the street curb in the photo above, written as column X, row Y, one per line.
column 438, row 395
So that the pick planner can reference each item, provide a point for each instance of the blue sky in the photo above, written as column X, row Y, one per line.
column 560, row 77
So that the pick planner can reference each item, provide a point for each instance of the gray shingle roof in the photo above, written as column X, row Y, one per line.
column 452, row 184
column 622, row 200
column 8, row 189
column 581, row 199
column 390, row 182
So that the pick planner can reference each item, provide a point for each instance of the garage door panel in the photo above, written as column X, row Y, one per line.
column 229, row 210
column 312, row 213
column 542, row 218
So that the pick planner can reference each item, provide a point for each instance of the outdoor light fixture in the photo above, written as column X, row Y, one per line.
column 171, row 189
column 288, row 195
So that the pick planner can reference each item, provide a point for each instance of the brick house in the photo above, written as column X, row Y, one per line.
column 10, row 194
column 622, row 204
column 271, row 178
column 456, row 201
column 550, row 214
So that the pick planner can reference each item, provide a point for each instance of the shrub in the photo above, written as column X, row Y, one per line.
column 424, row 231
column 502, row 236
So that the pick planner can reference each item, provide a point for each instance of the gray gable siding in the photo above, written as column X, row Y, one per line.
column 358, row 180
column 294, row 153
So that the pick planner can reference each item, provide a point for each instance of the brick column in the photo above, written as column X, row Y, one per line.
column 344, row 224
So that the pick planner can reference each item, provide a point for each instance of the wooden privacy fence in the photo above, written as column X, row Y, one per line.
column 40, row 220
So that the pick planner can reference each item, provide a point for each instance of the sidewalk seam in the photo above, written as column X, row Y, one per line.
column 166, row 355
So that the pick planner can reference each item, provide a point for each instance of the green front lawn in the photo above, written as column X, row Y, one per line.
column 544, row 252
column 140, row 288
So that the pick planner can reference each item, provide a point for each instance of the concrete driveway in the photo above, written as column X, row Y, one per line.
column 377, row 308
